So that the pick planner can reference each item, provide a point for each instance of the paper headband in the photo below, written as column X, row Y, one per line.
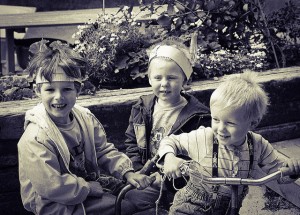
column 57, row 76
column 174, row 54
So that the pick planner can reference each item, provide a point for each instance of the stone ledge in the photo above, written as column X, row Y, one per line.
column 281, row 84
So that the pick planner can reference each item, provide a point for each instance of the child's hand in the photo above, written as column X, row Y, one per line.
column 140, row 181
column 171, row 166
column 294, row 166
column 157, row 177
column 95, row 189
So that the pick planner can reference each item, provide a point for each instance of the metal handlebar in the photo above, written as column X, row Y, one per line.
column 235, row 182
column 147, row 168
column 284, row 171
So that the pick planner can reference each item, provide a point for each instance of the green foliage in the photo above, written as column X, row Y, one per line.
column 115, row 49
column 15, row 88
column 224, row 36
column 284, row 26
column 229, row 36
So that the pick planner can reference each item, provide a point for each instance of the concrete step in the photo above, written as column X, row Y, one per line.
column 256, row 203
column 291, row 192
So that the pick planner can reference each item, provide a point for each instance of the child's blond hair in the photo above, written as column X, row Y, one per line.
column 242, row 91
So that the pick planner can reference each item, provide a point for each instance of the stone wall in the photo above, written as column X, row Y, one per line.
column 112, row 108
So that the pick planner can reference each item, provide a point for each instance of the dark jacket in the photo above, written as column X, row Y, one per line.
column 138, row 132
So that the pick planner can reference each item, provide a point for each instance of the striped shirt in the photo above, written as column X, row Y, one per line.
column 232, row 161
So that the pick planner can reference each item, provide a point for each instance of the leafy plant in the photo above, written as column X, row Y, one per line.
column 228, row 34
column 284, row 26
column 15, row 88
column 115, row 49
column 227, row 38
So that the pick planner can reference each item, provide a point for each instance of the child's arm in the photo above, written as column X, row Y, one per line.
column 39, row 163
column 107, row 155
column 140, row 181
column 270, row 160
column 294, row 166
column 194, row 144
column 172, row 166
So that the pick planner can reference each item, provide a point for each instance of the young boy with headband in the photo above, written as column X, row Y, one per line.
column 226, row 149
column 169, row 110
column 64, row 145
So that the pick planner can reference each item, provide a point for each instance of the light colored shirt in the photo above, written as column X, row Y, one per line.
column 163, row 120
column 232, row 161
column 72, row 135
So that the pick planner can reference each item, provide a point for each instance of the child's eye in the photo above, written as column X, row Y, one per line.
column 231, row 123
column 49, row 90
column 69, row 89
column 215, row 120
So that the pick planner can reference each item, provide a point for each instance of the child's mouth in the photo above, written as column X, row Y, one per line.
column 59, row 106
column 164, row 92
column 223, row 136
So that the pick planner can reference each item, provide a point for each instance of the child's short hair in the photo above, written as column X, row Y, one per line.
column 172, row 49
column 47, row 59
column 242, row 91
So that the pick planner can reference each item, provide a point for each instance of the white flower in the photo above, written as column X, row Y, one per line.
column 102, row 50
column 112, row 39
column 259, row 65
column 101, row 38
column 199, row 22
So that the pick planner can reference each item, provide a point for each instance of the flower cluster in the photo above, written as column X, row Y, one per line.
column 114, row 48
column 251, row 55
column 226, row 61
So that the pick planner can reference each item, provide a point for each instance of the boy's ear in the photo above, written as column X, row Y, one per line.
column 36, row 90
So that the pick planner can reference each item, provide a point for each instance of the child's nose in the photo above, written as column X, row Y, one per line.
column 221, row 126
column 58, row 94
column 164, row 82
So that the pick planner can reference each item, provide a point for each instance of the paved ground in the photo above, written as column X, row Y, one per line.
column 255, row 204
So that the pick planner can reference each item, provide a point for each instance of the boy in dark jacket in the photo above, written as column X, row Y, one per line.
column 169, row 110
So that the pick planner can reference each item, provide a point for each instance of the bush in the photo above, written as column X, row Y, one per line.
column 224, row 36
column 115, row 49
column 229, row 36
column 15, row 88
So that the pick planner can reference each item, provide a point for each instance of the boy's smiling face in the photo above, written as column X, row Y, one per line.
column 230, row 126
column 166, row 80
column 58, row 98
